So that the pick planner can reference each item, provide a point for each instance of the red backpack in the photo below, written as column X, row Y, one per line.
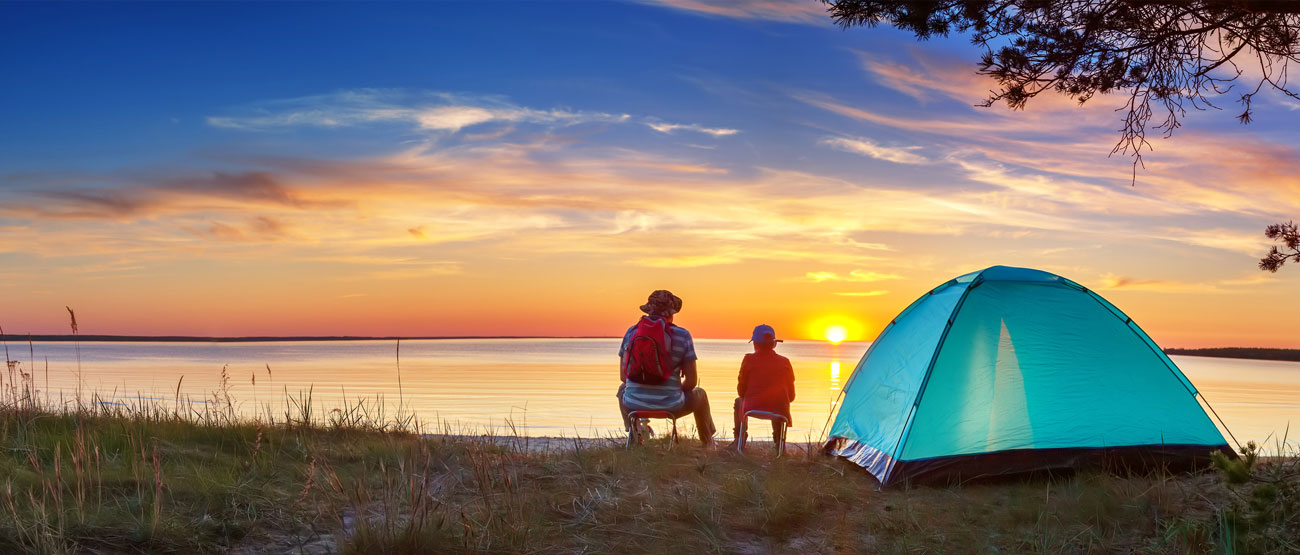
column 648, row 357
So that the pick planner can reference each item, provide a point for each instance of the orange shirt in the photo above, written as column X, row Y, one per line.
column 766, row 382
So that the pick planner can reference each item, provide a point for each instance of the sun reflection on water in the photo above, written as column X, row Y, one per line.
column 835, row 375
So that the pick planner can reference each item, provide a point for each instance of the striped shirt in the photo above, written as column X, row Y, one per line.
column 668, row 395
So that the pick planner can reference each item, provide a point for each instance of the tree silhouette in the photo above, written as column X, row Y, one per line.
column 1289, row 237
column 1166, row 56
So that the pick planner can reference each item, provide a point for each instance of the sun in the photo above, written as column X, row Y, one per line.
column 834, row 328
column 835, row 334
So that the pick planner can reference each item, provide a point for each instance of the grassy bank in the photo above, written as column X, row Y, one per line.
column 193, row 476
column 116, row 480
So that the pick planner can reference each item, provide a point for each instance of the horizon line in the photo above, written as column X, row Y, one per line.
column 5, row 337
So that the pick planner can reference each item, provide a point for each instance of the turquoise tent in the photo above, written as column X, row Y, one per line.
column 1010, row 370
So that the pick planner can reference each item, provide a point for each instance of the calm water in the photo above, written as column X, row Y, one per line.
column 544, row 386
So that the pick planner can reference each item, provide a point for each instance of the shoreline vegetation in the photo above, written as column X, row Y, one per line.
column 108, row 480
column 192, row 476
column 1252, row 353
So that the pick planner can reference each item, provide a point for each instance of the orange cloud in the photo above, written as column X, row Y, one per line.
column 861, row 293
column 1112, row 281
column 853, row 276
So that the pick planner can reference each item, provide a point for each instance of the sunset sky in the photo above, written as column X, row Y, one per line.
column 464, row 168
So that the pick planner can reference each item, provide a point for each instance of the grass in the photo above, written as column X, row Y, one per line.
column 117, row 480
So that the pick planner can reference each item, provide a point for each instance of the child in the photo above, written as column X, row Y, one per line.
column 766, row 380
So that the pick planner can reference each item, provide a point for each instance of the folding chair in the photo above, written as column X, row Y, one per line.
column 779, row 437
column 634, row 433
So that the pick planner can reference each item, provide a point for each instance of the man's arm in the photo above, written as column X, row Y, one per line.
column 622, row 355
column 689, row 377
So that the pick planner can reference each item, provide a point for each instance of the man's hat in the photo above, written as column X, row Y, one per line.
column 764, row 333
column 663, row 303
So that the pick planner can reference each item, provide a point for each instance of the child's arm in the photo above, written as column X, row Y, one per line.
column 790, row 384
column 740, row 379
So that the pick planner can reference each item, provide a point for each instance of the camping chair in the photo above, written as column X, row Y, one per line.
column 778, row 436
column 634, row 431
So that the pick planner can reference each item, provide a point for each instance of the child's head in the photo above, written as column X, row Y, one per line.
column 764, row 337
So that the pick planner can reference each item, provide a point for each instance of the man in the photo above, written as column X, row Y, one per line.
column 678, row 393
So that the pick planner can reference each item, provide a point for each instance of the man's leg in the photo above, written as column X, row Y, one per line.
column 622, row 408
column 697, row 401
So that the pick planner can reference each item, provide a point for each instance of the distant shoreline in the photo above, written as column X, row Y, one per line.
column 1251, row 353
column 255, row 339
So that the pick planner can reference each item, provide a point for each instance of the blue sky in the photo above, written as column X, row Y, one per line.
column 127, row 82
column 297, row 168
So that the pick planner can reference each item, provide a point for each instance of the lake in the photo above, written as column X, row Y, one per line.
column 542, row 387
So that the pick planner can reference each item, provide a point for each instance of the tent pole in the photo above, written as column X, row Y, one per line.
column 1216, row 417
column 1164, row 358
column 822, row 436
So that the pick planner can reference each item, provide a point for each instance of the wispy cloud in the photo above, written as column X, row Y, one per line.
column 1111, row 281
column 869, row 148
column 80, row 203
column 689, row 261
column 426, row 111
column 876, row 293
column 790, row 11
column 670, row 128
column 927, row 77
column 1114, row 282
column 853, row 276
column 433, row 111
column 132, row 196
column 453, row 118
column 260, row 229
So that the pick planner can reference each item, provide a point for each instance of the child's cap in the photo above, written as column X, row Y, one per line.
column 763, row 332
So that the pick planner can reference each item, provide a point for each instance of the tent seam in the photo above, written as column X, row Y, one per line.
column 848, row 382
column 925, row 380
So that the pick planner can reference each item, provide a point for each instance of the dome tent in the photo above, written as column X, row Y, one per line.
column 1010, row 370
